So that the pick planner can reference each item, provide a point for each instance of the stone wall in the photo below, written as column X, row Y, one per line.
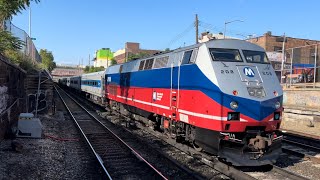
column 11, row 94
column 4, row 98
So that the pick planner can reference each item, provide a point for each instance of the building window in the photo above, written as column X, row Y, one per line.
column 280, row 39
column 313, row 52
column 277, row 48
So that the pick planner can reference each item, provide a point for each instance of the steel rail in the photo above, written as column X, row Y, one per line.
column 98, row 157
column 301, row 155
column 85, row 137
column 301, row 144
column 288, row 174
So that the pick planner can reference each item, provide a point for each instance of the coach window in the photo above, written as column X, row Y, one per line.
column 186, row 57
column 218, row 54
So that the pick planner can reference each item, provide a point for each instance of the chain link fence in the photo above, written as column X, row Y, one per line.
column 301, row 67
column 28, row 48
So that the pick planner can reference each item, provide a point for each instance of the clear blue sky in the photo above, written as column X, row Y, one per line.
column 73, row 29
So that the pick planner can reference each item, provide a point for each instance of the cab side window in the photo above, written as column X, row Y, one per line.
column 186, row 57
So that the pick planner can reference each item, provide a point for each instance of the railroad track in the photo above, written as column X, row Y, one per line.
column 214, row 163
column 302, row 145
column 274, row 172
column 268, row 172
column 117, row 159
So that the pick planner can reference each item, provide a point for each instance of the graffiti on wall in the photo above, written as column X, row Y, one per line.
column 4, row 97
column 42, row 101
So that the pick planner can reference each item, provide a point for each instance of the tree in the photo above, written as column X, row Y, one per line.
column 92, row 69
column 47, row 59
column 22, row 61
column 9, row 42
column 167, row 50
column 137, row 56
column 86, row 69
column 9, row 8
column 113, row 62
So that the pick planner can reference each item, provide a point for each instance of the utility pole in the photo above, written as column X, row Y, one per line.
column 197, row 28
column 89, row 60
column 283, row 57
column 30, row 22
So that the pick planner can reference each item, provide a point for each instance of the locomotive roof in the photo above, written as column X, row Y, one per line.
column 219, row 43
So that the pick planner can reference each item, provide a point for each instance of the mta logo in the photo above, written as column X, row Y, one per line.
column 248, row 72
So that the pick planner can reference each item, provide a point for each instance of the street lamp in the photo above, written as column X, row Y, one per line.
column 225, row 26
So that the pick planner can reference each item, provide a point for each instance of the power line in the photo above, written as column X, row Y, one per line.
column 220, row 29
column 183, row 33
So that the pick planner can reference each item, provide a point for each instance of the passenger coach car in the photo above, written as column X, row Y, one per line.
column 92, row 85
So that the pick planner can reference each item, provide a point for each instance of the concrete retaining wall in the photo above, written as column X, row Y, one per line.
column 301, row 110
column 302, row 99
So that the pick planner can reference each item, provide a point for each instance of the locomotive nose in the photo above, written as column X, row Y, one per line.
column 270, row 108
column 249, row 73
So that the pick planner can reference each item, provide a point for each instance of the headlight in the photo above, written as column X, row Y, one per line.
column 234, row 105
column 277, row 105
column 251, row 92
column 256, row 92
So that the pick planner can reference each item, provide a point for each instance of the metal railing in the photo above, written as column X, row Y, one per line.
column 29, row 49
column 301, row 67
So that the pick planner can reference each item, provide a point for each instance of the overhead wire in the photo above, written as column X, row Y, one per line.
column 183, row 33
column 207, row 27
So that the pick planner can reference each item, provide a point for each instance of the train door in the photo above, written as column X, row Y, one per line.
column 175, row 85
column 102, row 88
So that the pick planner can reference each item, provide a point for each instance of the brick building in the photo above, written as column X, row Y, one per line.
column 272, row 43
column 122, row 55
column 300, row 51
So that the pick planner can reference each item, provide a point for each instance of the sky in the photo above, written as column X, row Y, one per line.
column 73, row 29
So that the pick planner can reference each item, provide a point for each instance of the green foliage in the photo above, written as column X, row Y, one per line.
column 137, row 56
column 167, row 50
column 113, row 62
column 9, row 42
column 9, row 8
column 21, row 60
column 92, row 69
column 47, row 59
column 86, row 69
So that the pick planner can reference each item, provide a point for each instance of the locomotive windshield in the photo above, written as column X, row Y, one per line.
column 225, row 54
column 255, row 56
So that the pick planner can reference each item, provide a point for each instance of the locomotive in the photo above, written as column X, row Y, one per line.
column 221, row 96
